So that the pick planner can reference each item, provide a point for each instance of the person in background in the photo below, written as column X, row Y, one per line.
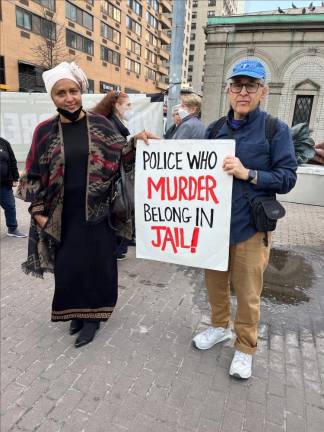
column 191, row 127
column 9, row 176
column 117, row 108
column 73, row 160
column 176, row 122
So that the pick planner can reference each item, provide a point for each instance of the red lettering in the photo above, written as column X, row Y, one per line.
column 183, row 184
column 157, row 187
column 169, row 238
column 210, row 188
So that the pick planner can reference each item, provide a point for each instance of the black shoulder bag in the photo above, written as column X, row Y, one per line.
column 122, row 197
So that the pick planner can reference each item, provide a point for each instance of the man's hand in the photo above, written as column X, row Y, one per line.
column 41, row 220
column 145, row 136
column 233, row 166
column 14, row 184
column 319, row 153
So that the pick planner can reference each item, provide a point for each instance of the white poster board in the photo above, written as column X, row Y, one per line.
column 183, row 202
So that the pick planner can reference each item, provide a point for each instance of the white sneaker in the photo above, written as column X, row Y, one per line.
column 241, row 366
column 211, row 336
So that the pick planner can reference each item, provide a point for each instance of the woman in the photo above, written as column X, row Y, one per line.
column 69, row 169
column 191, row 126
column 117, row 108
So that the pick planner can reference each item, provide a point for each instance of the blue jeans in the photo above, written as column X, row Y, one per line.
column 7, row 202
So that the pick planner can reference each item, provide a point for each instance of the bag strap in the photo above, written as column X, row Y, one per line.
column 215, row 127
column 271, row 127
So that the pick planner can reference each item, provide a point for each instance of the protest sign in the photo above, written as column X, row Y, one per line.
column 183, row 202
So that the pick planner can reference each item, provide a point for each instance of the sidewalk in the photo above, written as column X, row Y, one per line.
column 141, row 373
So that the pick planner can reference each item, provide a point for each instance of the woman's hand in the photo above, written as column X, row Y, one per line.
column 41, row 220
column 232, row 165
column 145, row 136
column 319, row 153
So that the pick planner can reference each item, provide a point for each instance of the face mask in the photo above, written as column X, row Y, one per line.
column 182, row 113
column 72, row 116
column 128, row 115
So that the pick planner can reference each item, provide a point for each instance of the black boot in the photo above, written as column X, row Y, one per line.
column 87, row 333
column 75, row 326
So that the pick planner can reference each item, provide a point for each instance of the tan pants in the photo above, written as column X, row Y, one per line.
column 247, row 263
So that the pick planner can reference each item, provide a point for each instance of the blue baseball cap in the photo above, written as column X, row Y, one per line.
column 250, row 68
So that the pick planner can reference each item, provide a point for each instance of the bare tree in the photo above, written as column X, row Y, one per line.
column 51, row 50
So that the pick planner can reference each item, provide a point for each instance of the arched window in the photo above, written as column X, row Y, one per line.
column 305, row 95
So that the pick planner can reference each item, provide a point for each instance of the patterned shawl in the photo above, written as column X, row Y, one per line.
column 42, row 183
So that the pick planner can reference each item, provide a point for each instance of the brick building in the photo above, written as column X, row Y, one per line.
column 119, row 43
column 291, row 47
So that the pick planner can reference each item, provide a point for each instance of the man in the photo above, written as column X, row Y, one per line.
column 259, row 168
column 176, row 121
column 8, row 178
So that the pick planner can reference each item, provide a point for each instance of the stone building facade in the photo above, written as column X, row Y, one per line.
column 291, row 47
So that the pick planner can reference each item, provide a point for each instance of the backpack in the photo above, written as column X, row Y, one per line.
column 270, row 127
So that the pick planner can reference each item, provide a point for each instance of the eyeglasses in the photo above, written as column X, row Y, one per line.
column 249, row 87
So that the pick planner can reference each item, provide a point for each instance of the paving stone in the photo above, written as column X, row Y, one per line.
column 275, row 410
column 295, row 423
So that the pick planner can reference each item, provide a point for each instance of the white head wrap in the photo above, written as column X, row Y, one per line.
column 65, row 70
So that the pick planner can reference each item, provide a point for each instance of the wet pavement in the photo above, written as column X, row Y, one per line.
column 141, row 372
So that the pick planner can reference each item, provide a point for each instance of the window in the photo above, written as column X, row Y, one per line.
column 110, row 33
column 30, row 78
column 211, row 2
column 303, row 109
column 23, row 19
column 191, row 57
column 2, row 71
column 110, row 10
column 192, row 47
column 190, row 68
column 135, row 6
column 133, row 26
column 149, row 37
column 78, row 15
column 49, row 4
column 133, row 66
column 211, row 14
column 154, row 4
column 150, row 55
column 90, row 2
column 110, row 56
column 151, row 20
column 195, row 3
column 91, row 86
column 107, row 87
column 35, row 23
column 193, row 26
column 194, row 15
column 133, row 46
column 78, row 42
column 193, row 36
column 150, row 73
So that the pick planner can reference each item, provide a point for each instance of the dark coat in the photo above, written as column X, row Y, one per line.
column 8, row 164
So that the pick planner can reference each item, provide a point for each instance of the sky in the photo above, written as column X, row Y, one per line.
column 262, row 5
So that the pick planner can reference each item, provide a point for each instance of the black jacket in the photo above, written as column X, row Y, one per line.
column 8, row 164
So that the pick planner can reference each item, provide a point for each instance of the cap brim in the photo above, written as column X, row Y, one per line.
column 247, row 74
